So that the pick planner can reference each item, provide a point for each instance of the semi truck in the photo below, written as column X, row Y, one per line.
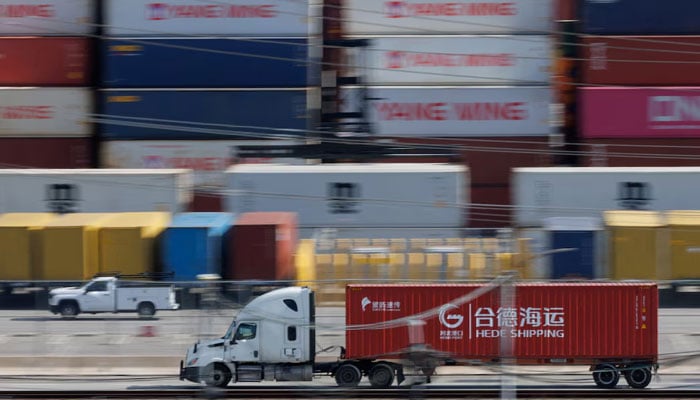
column 109, row 294
column 395, row 330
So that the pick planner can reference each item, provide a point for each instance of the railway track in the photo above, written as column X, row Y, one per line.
column 335, row 393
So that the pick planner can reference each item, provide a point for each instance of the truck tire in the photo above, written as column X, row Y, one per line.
column 606, row 376
column 69, row 309
column 638, row 376
column 146, row 309
column 381, row 375
column 348, row 375
column 217, row 376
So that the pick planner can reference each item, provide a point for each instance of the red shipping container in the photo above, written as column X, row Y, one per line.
column 574, row 323
column 490, row 206
column 262, row 246
column 45, row 61
column 45, row 153
column 565, row 10
column 206, row 201
column 641, row 60
column 670, row 152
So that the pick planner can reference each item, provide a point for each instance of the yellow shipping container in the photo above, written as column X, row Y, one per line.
column 19, row 259
column 69, row 247
column 684, row 232
column 128, row 241
column 638, row 243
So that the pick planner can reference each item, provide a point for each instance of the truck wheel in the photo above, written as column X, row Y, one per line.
column 69, row 309
column 217, row 376
column 348, row 375
column 638, row 377
column 146, row 310
column 381, row 375
column 606, row 376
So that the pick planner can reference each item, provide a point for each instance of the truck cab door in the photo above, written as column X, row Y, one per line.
column 245, row 345
column 98, row 297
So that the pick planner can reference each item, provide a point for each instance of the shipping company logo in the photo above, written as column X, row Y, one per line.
column 27, row 10
column 163, row 11
column 343, row 197
column 443, row 111
column 451, row 321
column 401, row 9
column 26, row 112
column 194, row 163
column 673, row 112
column 380, row 305
column 401, row 59
column 522, row 322
column 634, row 195
column 62, row 198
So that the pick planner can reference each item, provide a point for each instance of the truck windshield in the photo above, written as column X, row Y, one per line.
column 230, row 331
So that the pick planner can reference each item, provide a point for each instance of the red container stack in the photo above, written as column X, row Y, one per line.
column 262, row 246
column 571, row 323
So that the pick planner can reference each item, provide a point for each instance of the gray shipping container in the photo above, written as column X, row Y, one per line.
column 539, row 193
column 354, row 195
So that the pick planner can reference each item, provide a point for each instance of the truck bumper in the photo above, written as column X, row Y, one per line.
column 191, row 374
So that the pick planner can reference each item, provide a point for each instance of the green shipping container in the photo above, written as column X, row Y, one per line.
column 684, row 227
column 19, row 259
column 69, row 247
column 638, row 243
column 128, row 242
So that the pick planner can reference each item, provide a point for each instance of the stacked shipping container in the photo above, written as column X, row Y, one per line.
column 45, row 75
column 476, row 73
column 189, row 81
column 640, row 58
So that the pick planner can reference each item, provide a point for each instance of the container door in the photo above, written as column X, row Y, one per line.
column 99, row 296
column 577, row 263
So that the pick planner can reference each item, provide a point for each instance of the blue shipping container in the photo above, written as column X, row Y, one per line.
column 209, row 63
column 577, row 263
column 207, row 114
column 194, row 243
column 640, row 17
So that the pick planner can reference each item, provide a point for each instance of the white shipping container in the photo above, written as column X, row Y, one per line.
column 539, row 193
column 495, row 60
column 56, row 112
column 94, row 190
column 457, row 111
column 354, row 195
column 209, row 159
column 425, row 17
column 47, row 17
column 202, row 17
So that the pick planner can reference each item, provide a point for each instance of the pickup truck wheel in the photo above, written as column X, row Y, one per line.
column 69, row 309
column 146, row 310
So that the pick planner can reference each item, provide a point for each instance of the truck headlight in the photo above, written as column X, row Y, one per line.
column 192, row 362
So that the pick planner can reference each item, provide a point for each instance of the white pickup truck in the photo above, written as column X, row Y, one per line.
column 109, row 294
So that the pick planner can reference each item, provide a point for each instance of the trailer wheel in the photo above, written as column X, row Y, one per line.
column 217, row 376
column 638, row 377
column 381, row 375
column 146, row 309
column 606, row 376
column 348, row 375
column 69, row 309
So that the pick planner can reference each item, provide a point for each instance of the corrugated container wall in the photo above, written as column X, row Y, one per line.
column 659, row 152
column 19, row 244
column 54, row 112
column 426, row 17
column 194, row 244
column 495, row 60
column 95, row 190
column 639, row 112
column 211, row 62
column 262, row 246
column 208, row 114
column 638, row 245
column 640, row 17
column 577, row 248
column 354, row 195
column 640, row 60
column 249, row 18
column 587, row 192
column 457, row 111
column 577, row 322
column 70, row 248
column 129, row 242
column 47, row 17
column 684, row 231
column 36, row 61
column 46, row 152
